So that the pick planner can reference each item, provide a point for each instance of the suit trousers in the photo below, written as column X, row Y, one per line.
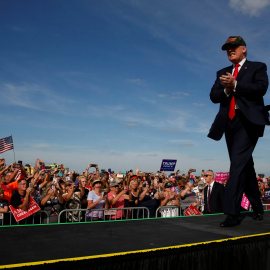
column 241, row 138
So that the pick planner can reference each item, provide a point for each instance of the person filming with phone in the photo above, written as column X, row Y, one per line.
column 72, row 197
column 52, row 202
column 98, row 199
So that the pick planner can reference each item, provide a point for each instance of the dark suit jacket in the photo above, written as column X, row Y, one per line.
column 252, row 83
column 216, row 198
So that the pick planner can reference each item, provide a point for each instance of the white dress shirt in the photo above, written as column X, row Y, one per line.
column 240, row 65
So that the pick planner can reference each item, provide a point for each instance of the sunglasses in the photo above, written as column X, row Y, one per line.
column 206, row 175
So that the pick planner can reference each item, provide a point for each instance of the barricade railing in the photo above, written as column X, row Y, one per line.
column 72, row 215
column 126, row 213
column 82, row 215
column 169, row 211
column 266, row 206
column 78, row 215
column 37, row 218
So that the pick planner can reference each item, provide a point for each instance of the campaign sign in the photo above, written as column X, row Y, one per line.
column 168, row 165
column 192, row 211
column 222, row 177
column 267, row 194
column 110, row 212
column 245, row 202
column 20, row 214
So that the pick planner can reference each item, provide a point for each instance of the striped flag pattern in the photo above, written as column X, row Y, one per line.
column 6, row 144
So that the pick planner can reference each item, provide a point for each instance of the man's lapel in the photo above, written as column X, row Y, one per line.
column 242, row 71
column 214, row 187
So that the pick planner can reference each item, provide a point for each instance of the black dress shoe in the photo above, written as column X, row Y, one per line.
column 257, row 216
column 230, row 221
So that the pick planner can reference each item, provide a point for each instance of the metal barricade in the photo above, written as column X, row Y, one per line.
column 169, row 211
column 107, row 214
column 266, row 206
column 71, row 215
column 36, row 218
column 126, row 213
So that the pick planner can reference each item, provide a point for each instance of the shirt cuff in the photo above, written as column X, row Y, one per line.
column 234, row 90
column 227, row 95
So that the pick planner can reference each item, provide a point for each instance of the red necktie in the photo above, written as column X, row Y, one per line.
column 232, row 104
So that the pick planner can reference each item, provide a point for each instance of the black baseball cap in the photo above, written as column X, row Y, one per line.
column 233, row 40
column 168, row 185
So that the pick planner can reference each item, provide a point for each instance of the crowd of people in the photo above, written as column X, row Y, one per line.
column 55, row 188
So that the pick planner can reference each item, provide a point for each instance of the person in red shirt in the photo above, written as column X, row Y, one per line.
column 7, row 180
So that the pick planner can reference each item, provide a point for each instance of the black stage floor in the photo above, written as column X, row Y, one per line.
column 37, row 244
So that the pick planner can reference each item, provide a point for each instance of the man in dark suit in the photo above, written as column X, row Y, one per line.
column 239, row 89
column 213, row 194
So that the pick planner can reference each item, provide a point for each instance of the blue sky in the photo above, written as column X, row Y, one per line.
column 122, row 83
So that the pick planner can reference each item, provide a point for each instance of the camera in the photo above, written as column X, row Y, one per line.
column 145, row 184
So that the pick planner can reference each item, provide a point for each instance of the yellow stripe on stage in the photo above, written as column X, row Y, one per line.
column 125, row 253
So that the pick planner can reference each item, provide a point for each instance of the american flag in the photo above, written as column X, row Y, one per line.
column 6, row 144
column 18, row 175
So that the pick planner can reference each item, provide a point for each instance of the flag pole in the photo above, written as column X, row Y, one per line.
column 13, row 149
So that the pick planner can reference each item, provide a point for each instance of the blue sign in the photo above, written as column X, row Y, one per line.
column 168, row 165
column 267, row 194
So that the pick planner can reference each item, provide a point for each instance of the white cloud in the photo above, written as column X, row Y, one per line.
column 42, row 145
column 183, row 142
column 105, row 110
column 19, row 96
column 250, row 7
column 181, row 94
column 147, row 100
column 137, row 81
column 198, row 104
column 174, row 95
column 33, row 96
column 162, row 95
column 17, row 28
column 132, row 125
